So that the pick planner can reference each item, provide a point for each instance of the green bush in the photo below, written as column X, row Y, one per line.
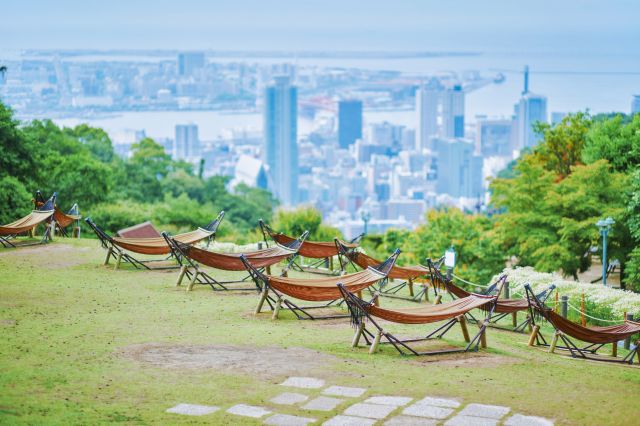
column 15, row 201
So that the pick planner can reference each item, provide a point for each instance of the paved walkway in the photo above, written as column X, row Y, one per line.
column 359, row 409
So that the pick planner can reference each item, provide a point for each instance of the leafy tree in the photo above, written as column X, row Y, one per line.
column 15, row 201
column 563, row 143
column 478, row 255
column 633, row 219
column 17, row 159
column 615, row 141
column 295, row 222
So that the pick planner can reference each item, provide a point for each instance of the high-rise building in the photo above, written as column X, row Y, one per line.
column 349, row 122
column 188, row 62
column 529, row 110
column 453, row 113
column 186, row 145
column 280, row 139
column 494, row 137
column 459, row 169
column 635, row 104
column 427, row 100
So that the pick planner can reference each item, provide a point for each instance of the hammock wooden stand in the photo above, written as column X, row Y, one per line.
column 277, row 292
column 363, row 313
column 190, row 258
column 118, row 248
column 595, row 337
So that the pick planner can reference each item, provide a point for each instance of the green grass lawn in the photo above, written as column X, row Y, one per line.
column 68, row 327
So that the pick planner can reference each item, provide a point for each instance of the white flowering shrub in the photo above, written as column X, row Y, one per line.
column 600, row 301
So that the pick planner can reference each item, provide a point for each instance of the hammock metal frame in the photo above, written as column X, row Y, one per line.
column 360, row 316
column 392, row 288
column 190, row 269
column 322, row 265
column 301, row 312
column 119, row 255
column 537, row 308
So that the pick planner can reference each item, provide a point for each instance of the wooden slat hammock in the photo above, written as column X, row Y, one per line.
column 363, row 313
column 149, row 246
column 347, row 254
column 323, row 289
column 595, row 336
column 43, row 213
column 323, row 251
column 190, row 257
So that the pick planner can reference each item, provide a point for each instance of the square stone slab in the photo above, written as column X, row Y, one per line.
column 396, row 401
column 303, row 382
column 373, row 411
column 410, row 421
column 348, row 421
column 439, row 402
column 193, row 409
column 287, row 420
column 248, row 411
column 289, row 398
column 322, row 403
column 520, row 420
column 344, row 391
column 421, row 410
column 488, row 411
column 470, row 421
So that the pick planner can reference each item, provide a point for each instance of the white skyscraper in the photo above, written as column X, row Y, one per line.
column 427, row 100
column 530, row 109
column 453, row 113
column 280, row 138
column 186, row 145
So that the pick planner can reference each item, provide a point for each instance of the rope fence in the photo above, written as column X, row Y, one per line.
column 582, row 312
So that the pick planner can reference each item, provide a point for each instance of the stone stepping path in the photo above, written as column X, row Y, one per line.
column 323, row 403
column 288, row 420
column 193, row 409
column 248, row 411
column 389, row 410
column 289, row 398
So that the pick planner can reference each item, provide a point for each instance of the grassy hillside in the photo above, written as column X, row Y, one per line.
column 83, row 344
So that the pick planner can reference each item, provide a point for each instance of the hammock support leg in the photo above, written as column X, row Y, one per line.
column 483, row 334
column 183, row 270
column 554, row 342
column 356, row 337
column 534, row 335
column 109, row 252
column 118, row 260
column 193, row 279
column 514, row 319
column 263, row 297
column 376, row 342
column 438, row 299
column 410, row 284
column 463, row 326
column 276, row 309
column 614, row 349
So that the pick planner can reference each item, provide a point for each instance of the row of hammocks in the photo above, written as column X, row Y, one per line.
column 282, row 292
column 45, row 212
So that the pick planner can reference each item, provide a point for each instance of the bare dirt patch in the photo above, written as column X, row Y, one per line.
column 57, row 256
column 469, row 360
column 266, row 362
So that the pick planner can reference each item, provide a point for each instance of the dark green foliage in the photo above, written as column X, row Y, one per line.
column 15, row 200
column 81, row 165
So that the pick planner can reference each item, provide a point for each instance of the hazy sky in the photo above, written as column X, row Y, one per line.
column 536, row 25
